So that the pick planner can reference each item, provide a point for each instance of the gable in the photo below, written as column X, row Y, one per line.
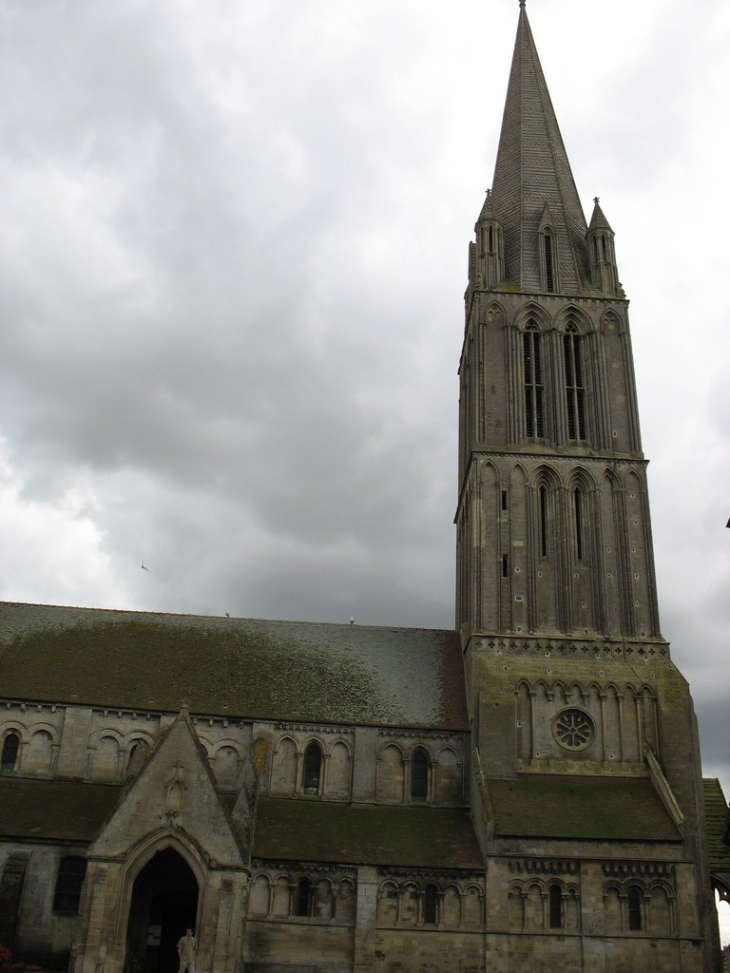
column 175, row 790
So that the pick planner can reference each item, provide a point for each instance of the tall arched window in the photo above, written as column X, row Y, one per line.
column 556, row 907
column 304, row 898
column 543, row 518
column 419, row 776
column 430, row 905
column 633, row 901
column 312, row 769
column 574, row 386
column 578, row 518
column 11, row 744
column 532, row 372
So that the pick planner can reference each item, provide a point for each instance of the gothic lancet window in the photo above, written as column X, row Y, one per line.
column 543, row 518
column 532, row 371
column 312, row 769
column 574, row 386
column 578, row 516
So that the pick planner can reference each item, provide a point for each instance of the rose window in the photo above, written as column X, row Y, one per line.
column 573, row 729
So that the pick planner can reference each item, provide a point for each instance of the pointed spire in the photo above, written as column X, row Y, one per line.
column 533, row 169
column 487, row 212
column 598, row 220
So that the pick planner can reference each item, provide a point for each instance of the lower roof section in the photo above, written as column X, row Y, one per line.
column 577, row 808
column 717, row 815
column 352, row 834
column 54, row 810
column 596, row 808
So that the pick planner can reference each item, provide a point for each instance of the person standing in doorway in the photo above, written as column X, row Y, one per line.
column 186, row 952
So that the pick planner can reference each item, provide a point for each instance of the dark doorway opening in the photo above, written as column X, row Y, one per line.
column 164, row 904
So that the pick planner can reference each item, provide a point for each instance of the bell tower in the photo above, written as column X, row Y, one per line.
column 586, row 776
column 553, row 520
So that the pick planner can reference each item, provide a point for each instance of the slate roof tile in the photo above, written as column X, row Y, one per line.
column 54, row 810
column 717, row 816
column 316, row 831
column 235, row 667
column 600, row 808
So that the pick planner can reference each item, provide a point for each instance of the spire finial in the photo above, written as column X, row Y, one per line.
column 522, row 4
column 596, row 200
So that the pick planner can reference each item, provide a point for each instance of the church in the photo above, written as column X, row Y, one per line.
column 521, row 794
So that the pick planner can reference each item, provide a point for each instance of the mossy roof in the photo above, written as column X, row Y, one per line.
column 54, row 810
column 268, row 670
column 315, row 831
column 600, row 808
column 717, row 818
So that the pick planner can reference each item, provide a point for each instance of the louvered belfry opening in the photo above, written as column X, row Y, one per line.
column 534, row 423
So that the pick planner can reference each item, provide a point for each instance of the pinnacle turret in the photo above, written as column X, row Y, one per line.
column 602, row 254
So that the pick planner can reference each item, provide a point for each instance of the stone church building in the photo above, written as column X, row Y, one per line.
column 520, row 794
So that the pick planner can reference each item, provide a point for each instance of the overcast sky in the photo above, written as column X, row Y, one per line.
column 234, row 246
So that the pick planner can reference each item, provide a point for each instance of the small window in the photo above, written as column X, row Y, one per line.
column 419, row 776
column 137, row 758
column 71, row 873
column 304, row 898
column 430, row 905
column 312, row 769
column 556, row 907
column 634, row 905
column 11, row 744
column 505, row 566
column 504, row 499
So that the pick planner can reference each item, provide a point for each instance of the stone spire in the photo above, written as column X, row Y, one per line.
column 533, row 189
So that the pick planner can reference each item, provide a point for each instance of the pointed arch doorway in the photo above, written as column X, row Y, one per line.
column 164, row 904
